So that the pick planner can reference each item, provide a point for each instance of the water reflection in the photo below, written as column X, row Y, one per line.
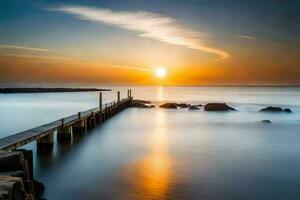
column 160, row 93
column 151, row 176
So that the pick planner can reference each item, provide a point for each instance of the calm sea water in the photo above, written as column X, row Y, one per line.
column 168, row 154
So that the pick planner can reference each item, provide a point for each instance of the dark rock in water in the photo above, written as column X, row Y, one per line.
column 169, row 105
column 141, row 101
column 183, row 105
column 266, row 121
column 194, row 108
column 271, row 109
column 38, row 187
column 141, row 104
column 217, row 107
column 287, row 110
column 199, row 105
column 275, row 109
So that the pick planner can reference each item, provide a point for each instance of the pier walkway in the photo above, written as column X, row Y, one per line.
column 66, row 127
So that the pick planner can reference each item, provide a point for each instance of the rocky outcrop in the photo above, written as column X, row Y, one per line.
column 217, row 107
column 169, row 105
column 16, row 176
column 194, row 107
column 275, row 109
column 141, row 104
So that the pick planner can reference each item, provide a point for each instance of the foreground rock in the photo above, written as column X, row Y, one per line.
column 141, row 104
column 169, row 105
column 194, row 108
column 16, row 176
column 217, row 107
column 275, row 109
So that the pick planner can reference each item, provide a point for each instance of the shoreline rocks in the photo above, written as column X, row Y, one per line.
column 218, row 107
column 141, row 104
column 275, row 109
column 169, row 106
column 16, row 176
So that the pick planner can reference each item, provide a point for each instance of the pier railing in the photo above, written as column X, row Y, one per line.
column 74, row 125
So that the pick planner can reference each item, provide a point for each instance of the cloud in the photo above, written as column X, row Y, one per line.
column 3, row 46
column 247, row 37
column 149, row 25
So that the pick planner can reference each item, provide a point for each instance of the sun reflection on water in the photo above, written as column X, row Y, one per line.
column 153, row 172
column 160, row 93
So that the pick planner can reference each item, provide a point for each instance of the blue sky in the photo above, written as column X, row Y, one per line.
column 203, row 31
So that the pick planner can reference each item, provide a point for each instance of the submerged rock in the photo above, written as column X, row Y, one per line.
column 169, row 105
column 275, row 109
column 266, row 121
column 217, row 107
column 194, row 107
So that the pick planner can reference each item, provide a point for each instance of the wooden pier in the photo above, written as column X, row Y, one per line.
column 65, row 128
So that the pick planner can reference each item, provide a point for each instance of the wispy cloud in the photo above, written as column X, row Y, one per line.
column 247, row 37
column 149, row 25
column 4, row 46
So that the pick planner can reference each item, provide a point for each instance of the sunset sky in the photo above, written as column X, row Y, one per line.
column 198, row 42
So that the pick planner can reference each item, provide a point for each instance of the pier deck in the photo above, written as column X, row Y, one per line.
column 103, row 112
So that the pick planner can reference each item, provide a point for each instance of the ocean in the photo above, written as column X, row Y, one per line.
column 168, row 154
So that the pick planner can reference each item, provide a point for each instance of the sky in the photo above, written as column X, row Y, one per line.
column 110, row 42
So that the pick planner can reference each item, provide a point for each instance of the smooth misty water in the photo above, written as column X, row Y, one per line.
column 169, row 154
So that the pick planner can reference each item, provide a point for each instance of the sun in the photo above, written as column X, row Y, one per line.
column 160, row 72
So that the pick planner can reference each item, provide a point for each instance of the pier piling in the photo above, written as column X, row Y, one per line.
column 64, row 134
column 45, row 143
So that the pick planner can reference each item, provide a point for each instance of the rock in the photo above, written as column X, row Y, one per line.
column 141, row 101
column 287, row 110
column 16, row 176
column 169, row 105
column 141, row 104
column 275, row 109
column 217, row 107
column 194, row 108
column 11, row 161
column 38, row 187
column 183, row 105
column 12, row 188
column 271, row 109
column 266, row 121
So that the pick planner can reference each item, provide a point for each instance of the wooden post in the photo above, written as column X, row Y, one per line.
column 79, row 128
column 118, row 97
column 100, row 102
column 64, row 134
column 45, row 144
column 91, row 121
